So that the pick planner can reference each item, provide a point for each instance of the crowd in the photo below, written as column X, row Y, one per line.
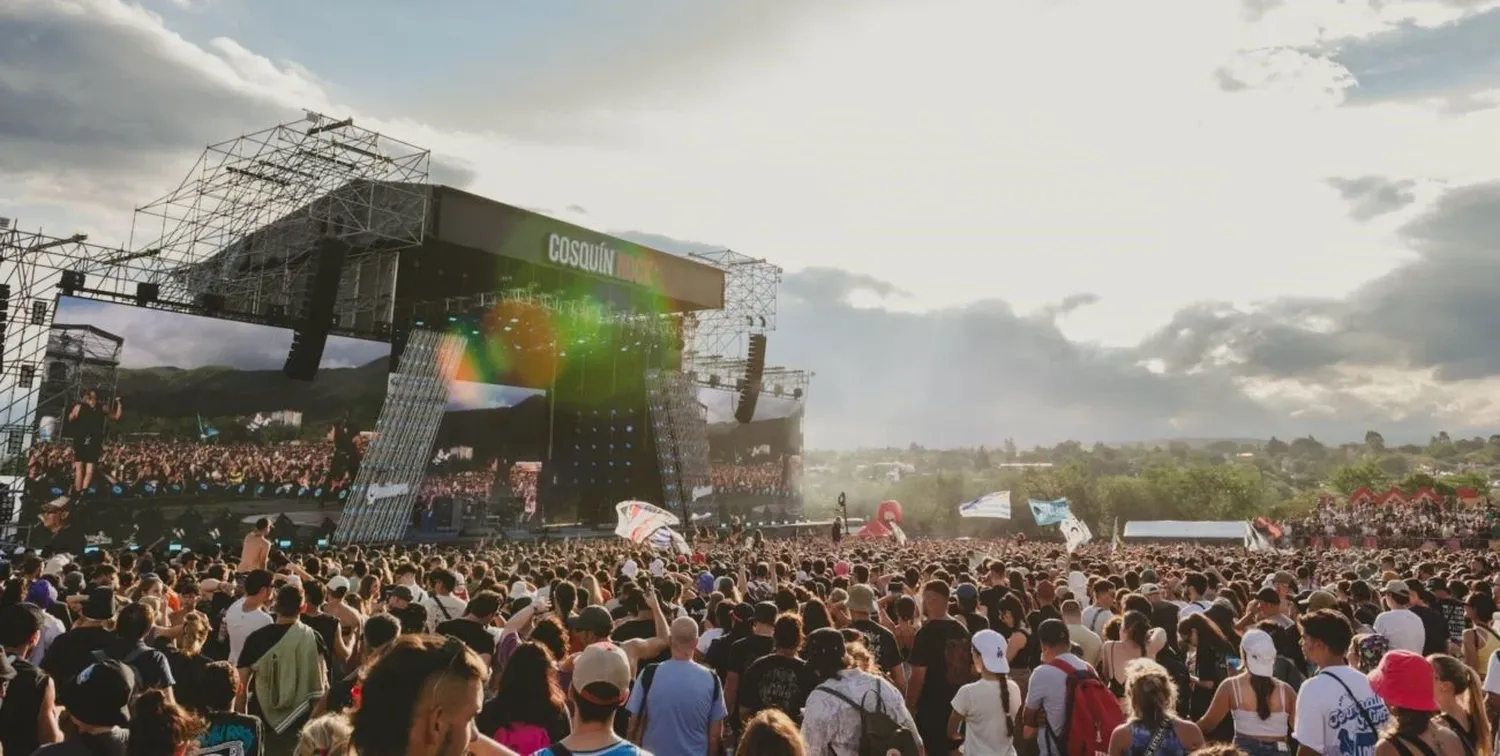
column 144, row 468
column 753, row 646
column 1398, row 524
column 764, row 478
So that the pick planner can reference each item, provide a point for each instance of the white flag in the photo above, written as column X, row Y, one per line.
column 1075, row 532
column 996, row 505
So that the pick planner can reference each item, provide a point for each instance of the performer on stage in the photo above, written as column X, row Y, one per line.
column 86, row 424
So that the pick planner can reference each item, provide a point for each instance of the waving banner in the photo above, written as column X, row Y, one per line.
column 1050, row 512
column 637, row 520
column 668, row 539
column 1075, row 532
column 995, row 505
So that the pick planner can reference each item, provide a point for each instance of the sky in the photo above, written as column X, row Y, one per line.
column 1033, row 220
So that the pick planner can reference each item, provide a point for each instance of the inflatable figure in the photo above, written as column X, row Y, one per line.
column 885, row 524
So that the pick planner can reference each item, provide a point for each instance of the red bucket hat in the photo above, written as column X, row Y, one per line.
column 1404, row 681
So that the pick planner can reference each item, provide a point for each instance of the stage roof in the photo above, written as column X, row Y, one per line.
column 1187, row 530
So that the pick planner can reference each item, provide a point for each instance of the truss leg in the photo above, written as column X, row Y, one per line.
column 390, row 477
column 681, row 431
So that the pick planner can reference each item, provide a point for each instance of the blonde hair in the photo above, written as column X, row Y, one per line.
column 1149, row 694
column 327, row 735
column 193, row 633
column 1467, row 685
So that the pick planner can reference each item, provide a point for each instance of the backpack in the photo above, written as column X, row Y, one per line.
column 647, row 676
column 1092, row 715
column 879, row 733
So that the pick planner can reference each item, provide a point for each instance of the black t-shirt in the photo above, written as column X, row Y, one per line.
column 110, row 743
column 412, row 617
column 260, row 643
column 989, row 599
column 89, row 424
column 473, row 634
column 745, row 651
column 942, row 647
column 327, row 628
column 776, row 682
column 187, row 671
column 1436, row 627
column 975, row 622
column 69, row 540
column 72, row 651
column 881, row 642
column 18, row 711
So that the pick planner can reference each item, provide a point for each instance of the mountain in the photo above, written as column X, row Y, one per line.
column 519, row 432
column 168, row 392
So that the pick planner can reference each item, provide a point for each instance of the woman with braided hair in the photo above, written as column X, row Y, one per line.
column 986, row 708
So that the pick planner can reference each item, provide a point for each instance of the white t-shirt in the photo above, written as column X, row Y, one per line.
column 1194, row 607
column 241, row 623
column 1095, row 618
column 987, row 733
column 1329, row 722
column 1492, row 675
column 454, row 605
column 1403, row 628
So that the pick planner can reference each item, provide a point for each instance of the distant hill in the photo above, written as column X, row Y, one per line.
column 217, row 391
column 519, row 431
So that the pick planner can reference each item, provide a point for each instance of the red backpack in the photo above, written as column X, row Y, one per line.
column 1092, row 715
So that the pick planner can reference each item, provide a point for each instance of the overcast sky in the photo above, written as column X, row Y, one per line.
column 1027, row 219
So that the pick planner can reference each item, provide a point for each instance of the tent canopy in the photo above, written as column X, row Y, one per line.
column 1187, row 530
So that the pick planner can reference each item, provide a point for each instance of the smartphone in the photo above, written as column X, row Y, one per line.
column 322, row 543
column 284, row 544
column 90, row 549
column 173, row 548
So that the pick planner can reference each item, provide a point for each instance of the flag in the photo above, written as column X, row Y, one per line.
column 1049, row 512
column 1115, row 546
column 637, row 520
column 996, row 505
column 1256, row 540
column 667, row 539
column 206, row 431
column 1075, row 532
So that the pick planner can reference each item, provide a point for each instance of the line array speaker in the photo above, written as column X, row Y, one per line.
column 319, row 300
column 755, row 368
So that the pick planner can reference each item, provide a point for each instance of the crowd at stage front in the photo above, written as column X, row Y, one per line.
column 750, row 645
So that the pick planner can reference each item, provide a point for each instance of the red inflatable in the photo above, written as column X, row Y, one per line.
column 886, row 515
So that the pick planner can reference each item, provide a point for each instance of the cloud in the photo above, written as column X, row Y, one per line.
column 1373, row 196
column 1451, row 61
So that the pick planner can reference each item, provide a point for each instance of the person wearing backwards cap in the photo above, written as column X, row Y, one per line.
column 1259, row 705
column 98, row 703
column 1405, row 681
column 600, row 686
column 1402, row 627
column 987, row 706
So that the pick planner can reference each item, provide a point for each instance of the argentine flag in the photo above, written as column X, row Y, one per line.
column 995, row 505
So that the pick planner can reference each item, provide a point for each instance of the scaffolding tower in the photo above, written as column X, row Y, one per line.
column 679, row 424
column 243, row 225
column 750, row 286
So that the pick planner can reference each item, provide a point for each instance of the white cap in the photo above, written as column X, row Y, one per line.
column 1260, row 653
column 338, row 582
column 55, row 565
column 520, row 589
column 658, row 567
column 991, row 648
column 630, row 568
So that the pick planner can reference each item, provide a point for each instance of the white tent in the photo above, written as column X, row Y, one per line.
column 1186, row 530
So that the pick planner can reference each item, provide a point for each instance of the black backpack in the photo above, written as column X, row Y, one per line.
column 879, row 733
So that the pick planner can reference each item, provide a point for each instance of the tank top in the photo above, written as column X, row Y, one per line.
column 1489, row 643
column 1140, row 741
column 1468, row 737
column 1249, row 723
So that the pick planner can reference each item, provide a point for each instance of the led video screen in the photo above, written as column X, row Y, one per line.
column 137, row 404
column 487, row 456
column 756, row 466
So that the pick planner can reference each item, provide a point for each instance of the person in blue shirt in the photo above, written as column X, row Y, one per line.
column 683, row 709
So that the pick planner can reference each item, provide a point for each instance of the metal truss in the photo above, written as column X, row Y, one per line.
column 679, row 423
column 750, row 287
column 725, row 373
column 244, row 222
column 390, row 476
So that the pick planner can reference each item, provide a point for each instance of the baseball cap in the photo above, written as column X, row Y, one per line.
column 100, row 694
column 594, row 619
column 338, row 583
column 966, row 592
column 861, row 599
column 630, row 568
column 602, row 666
column 744, row 612
column 1260, row 652
column 1318, row 600
column 1150, row 589
column 1397, row 588
column 991, row 648
column 403, row 592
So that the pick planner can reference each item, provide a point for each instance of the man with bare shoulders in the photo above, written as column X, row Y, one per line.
column 257, row 548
